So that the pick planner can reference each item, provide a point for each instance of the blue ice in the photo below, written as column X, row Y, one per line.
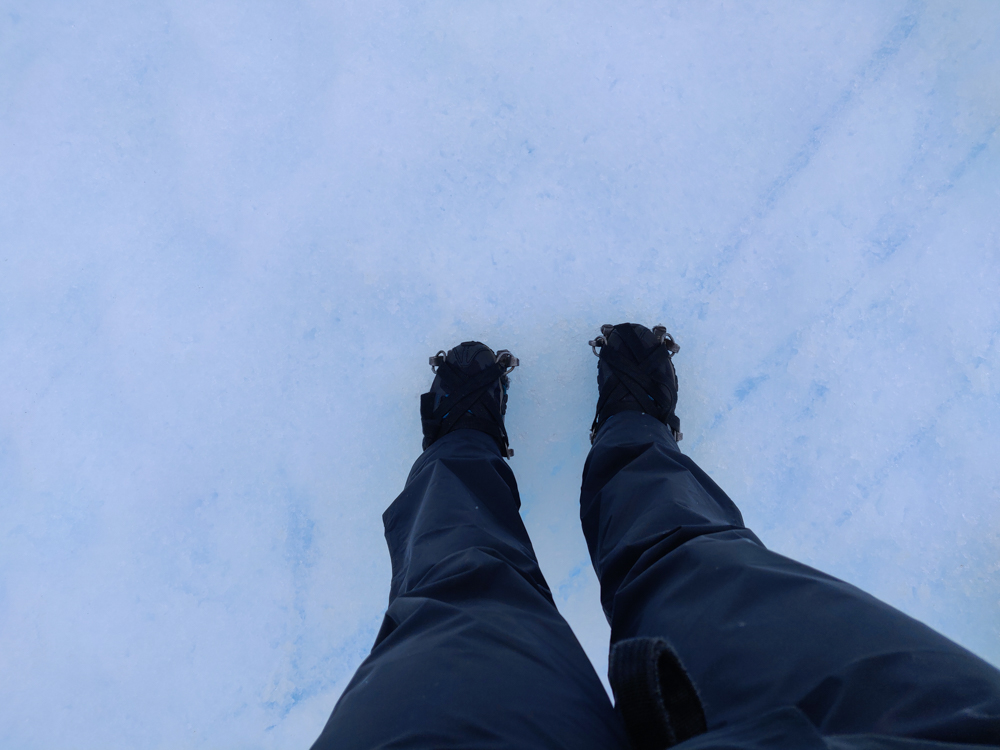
column 232, row 233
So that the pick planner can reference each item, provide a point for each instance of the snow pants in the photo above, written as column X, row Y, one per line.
column 472, row 652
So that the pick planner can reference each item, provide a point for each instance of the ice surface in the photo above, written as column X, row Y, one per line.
column 232, row 233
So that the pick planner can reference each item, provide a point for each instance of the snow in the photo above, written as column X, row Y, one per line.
column 231, row 235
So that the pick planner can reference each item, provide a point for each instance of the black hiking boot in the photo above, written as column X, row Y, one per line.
column 468, row 392
column 636, row 373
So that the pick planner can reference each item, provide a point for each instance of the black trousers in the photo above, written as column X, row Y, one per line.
column 473, row 653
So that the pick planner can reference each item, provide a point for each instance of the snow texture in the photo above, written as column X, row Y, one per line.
column 232, row 233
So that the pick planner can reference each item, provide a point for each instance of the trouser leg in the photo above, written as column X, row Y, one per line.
column 472, row 652
column 757, row 631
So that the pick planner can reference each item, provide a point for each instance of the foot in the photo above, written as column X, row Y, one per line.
column 469, row 392
column 636, row 373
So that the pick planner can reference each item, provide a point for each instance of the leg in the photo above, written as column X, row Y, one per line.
column 758, row 632
column 472, row 652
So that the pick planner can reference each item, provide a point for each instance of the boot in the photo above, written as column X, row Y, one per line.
column 469, row 392
column 635, row 372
